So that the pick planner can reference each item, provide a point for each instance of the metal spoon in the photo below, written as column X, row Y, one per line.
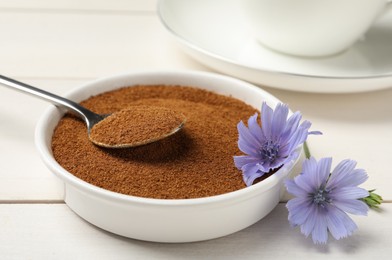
column 88, row 116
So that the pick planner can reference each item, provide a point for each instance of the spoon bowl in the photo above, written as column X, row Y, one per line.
column 92, row 119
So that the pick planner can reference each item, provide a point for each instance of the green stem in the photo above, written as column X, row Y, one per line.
column 306, row 150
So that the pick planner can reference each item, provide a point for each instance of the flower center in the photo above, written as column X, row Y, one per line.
column 269, row 151
column 320, row 197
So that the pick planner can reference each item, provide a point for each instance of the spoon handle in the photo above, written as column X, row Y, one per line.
column 52, row 98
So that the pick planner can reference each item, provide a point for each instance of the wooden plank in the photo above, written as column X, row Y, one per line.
column 53, row 231
column 76, row 5
column 76, row 45
column 23, row 176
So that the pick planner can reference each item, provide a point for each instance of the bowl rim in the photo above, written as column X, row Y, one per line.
column 68, row 178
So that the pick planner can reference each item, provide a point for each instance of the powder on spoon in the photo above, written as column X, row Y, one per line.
column 138, row 125
column 195, row 162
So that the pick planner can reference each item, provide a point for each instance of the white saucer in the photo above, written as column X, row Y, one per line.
column 217, row 34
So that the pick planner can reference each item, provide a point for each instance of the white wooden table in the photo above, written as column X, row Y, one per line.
column 58, row 45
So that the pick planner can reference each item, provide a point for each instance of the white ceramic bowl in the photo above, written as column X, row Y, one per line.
column 182, row 220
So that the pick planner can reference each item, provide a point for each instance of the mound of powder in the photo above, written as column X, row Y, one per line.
column 195, row 162
column 136, row 126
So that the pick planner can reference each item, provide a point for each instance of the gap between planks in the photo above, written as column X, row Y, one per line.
column 32, row 202
column 76, row 11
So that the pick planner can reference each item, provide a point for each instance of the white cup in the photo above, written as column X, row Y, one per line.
column 312, row 27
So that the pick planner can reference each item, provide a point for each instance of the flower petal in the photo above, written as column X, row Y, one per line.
column 309, row 169
column 266, row 120
column 346, row 193
column 308, row 225
column 279, row 118
column 323, row 171
column 246, row 142
column 289, row 145
column 320, row 230
column 299, row 210
column 355, row 178
column 309, row 166
column 247, row 148
column 255, row 128
column 291, row 125
column 356, row 207
column 266, row 166
column 295, row 190
column 339, row 223
column 341, row 170
column 241, row 160
column 303, row 182
column 250, row 172
column 298, row 136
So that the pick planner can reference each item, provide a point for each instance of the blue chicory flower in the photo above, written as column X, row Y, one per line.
column 323, row 199
column 271, row 145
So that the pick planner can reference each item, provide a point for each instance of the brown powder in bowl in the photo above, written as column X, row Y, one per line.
column 136, row 126
column 195, row 162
